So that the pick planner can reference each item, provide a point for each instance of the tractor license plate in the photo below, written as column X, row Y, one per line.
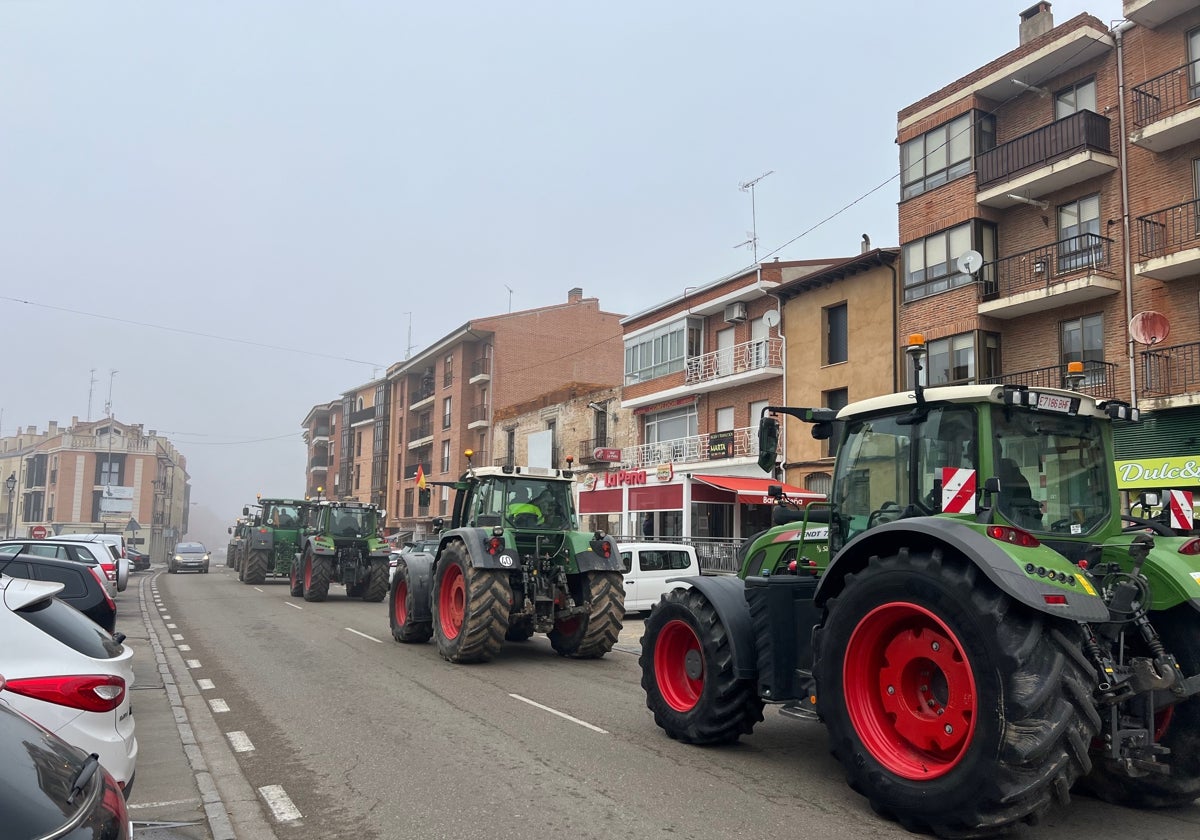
column 1053, row 402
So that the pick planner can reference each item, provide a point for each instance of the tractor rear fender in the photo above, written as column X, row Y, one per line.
column 475, row 539
column 419, row 571
column 727, row 594
column 261, row 539
column 1173, row 576
column 592, row 558
column 1004, row 569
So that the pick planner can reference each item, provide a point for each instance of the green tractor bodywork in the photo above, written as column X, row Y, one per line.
column 271, row 540
column 511, row 563
column 340, row 543
column 977, row 627
column 238, row 534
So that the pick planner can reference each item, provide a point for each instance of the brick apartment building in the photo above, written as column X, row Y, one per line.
column 95, row 476
column 321, row 437
column 446, row 399
column 1071, row 165
column 698, row 370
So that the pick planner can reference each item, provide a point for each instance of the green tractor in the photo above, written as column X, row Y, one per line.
column 984, row 632
column 238, row 532
column 341, row 544
column 510, row 564
column 271, row 540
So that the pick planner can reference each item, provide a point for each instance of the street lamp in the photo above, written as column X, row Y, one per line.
column 11, row 484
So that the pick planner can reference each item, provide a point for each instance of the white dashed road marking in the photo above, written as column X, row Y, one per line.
column 240, row 741
column 279, row 803
column 192, row 663
column 364, row 635
column 293, row 606
column 204, row 685
column 185, row 647
column 562, row 715
column 177, row 637
column 218, row 705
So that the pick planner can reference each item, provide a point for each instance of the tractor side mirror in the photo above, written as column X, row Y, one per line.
column 230, row 530
column 245, row 511
column 822, row 430
column 768, row 444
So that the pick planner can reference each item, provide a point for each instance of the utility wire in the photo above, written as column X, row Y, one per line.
column 183, row 331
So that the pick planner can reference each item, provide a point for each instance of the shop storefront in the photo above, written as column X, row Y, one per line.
column 1160, row 453
column 662, row 503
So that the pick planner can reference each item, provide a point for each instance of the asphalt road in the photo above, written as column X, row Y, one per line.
column 310, row 721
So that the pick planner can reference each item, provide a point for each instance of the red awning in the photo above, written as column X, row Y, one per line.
column 753, row 491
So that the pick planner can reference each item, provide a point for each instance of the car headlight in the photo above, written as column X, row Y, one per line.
column 177, row 557
column 205, row 556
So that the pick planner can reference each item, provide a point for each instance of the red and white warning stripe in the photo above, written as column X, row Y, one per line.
column 1179, row 502
column 958, row 490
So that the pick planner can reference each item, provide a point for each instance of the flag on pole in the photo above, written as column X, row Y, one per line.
column 420, row 477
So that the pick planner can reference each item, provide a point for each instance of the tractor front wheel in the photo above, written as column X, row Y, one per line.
column 296, row 579
column 377, row 584
column 254, row 570
column 401, row 610
column 687, row 673
column 952, row 708
column 1177, row 728
column 317, row 571
column 470, row 607
column 591, row 635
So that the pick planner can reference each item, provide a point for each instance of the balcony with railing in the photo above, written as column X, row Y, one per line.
column 422, row 395
column 587, row 450
column 478, row 416
column 749, row 362
column 1069, row 271
column 481, row 370
column 318, row 462
column 1099, row 379
column 1171, row 376
column 1153, row 13
column 1166, row 109
column 740, row 443
column 362, row 415
column 420, row 435
column 320, row 434
column 1065, row 152
column 1168, row 245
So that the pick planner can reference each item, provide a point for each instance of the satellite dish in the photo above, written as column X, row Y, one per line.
column 771, row 318
column 1149, row 327
column 970, row 262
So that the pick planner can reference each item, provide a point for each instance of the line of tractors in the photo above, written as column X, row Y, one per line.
column 976, row 649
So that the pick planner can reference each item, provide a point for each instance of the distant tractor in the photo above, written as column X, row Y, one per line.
column 272, row 539
column 509, row 564
column 983, row 633
column 341, row 544
column 237, row 538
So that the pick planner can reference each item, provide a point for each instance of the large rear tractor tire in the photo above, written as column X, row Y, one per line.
column 377, row 583
column 1177, row 727
column 952, row 708
column 470, row 607
column 593, row 635
column 254, row 570
column 687, row 673
column 401, row 609
column 317, row 572
column 296, row 580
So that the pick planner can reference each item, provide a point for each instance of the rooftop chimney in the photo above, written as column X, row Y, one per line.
column 1036, row 20
column 866, row 244
column 52, row 428
column 575, row 295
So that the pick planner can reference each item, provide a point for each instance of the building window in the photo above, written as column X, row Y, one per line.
column 108, row 471
column 724, row 419
column 756, row 413
column 445, row 456
column 1080, row 96
column 1083, row 341
column 671, row 426
column 944, row 153
column 658, row 352
column 960, row 359
column 835, row 334
column 446, row 412
column 357, row 476
column 448, row 372
column 837, row 400
column 930, row 264
column 1079, row 244
column 358, row 442
column 1193, row 54
column 358, row 406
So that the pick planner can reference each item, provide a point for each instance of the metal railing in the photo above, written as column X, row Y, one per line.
column 752, row 355
column 477, row 413
column 1164, row 95
column 410, row 470
column 739, row 443
column 423, row 393
column 481, row 366
column 1043, row 267
column 421, row 430
column 1099, row 379
column 588, row 447
column 1082, row 130
column 362, row 415
column 1171, row 371
column 1169, row 230
column 319, row 461
column 715, row 554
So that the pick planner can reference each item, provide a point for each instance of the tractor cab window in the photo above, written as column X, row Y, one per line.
column 353, row 522
column 282, row 516
column 533, row 503
column 487, row 504
column 945, row 446
column 1051, row 470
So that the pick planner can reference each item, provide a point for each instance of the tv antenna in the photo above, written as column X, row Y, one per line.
column 91, row 390
column 108, row 403
column 509, row 296
column 748, row 186
column 408, row 349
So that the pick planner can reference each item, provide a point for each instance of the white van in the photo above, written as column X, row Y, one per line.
column 649, row 565
column 116, row 547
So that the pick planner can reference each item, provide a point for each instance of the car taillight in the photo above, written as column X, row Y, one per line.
column 88, row 692
column 113, row 809
column 103, row 588
column 110, row 570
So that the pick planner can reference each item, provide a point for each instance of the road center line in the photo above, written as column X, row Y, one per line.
column 293, row 606
column 364, row 635
column 257, row 589
column 562, row 715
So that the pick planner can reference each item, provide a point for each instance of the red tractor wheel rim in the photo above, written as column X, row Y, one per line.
column 452, row 601
column 910, row 691
column 398, row 608
column 308, row 572
column 679, row 665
